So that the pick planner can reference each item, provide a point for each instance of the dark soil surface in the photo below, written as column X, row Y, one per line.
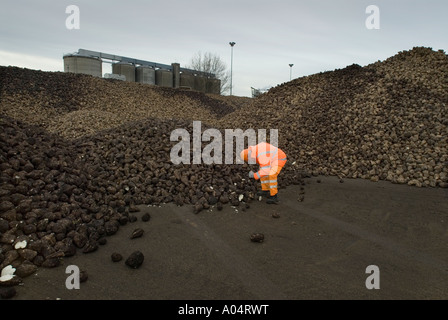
column 315, row 249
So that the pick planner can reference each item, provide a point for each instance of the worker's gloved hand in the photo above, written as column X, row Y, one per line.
column 251, row 174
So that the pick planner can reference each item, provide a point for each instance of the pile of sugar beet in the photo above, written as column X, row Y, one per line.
column 384, row 121
column 65, row 196
column 78, row 154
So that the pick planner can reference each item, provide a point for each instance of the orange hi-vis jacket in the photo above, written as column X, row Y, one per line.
column 268, row 157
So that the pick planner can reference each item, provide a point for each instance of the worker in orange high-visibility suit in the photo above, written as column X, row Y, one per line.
column 271, row 161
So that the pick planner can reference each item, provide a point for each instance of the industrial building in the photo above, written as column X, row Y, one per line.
column 147, row 72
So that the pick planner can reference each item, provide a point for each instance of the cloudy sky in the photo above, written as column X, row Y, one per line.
column 315, row 36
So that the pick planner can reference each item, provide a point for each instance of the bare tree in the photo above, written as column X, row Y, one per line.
column 211, row 63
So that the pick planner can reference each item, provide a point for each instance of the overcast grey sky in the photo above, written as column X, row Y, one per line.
column 315, row 36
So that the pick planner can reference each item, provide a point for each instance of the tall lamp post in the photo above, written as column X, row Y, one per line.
column 231, row 65
column 290, row 71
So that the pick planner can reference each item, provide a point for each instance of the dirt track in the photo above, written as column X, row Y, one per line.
column 317, row 249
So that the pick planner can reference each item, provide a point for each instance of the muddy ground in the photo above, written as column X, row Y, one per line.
column 317, row 249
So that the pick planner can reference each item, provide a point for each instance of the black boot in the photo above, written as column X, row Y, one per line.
column 272, row 200
column 263, row 193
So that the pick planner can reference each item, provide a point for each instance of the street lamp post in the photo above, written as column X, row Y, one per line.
column 231, row 65
column 290, row 71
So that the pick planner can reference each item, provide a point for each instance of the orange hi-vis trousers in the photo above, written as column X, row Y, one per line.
column 269, row 183
column 271, row 161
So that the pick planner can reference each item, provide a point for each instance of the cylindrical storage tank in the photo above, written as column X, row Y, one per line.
column 200, row 83
column 187, row 80
column 84, row 65
column 145, row 74
column 213, row 86
column 164, row 78
column 125, row 69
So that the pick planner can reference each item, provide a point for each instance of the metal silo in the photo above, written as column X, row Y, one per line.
column 200, row 83
column 145, row 74
column 125, row 69
column 84, row 65
column 213, row 86
column 187, row 80
column 164, row 78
